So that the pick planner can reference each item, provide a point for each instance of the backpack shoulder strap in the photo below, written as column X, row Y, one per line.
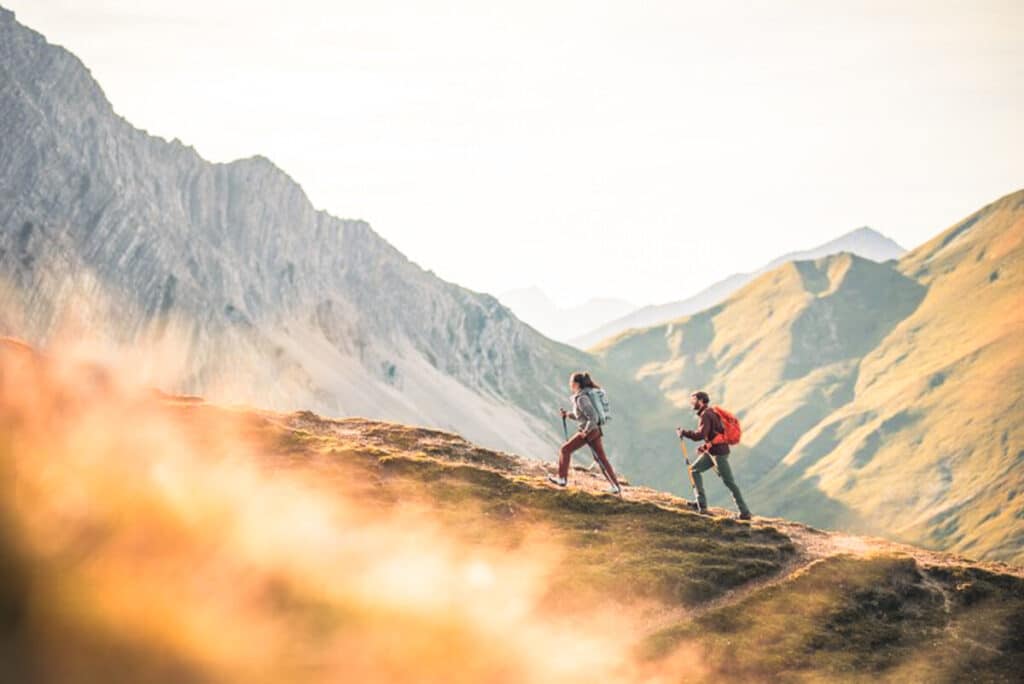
column 717, row 423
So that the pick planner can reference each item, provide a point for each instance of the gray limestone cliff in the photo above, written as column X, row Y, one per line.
column 247, row 291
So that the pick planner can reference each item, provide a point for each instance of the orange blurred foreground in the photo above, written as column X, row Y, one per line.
column 140, row 548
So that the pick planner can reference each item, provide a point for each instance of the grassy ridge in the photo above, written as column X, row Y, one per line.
column 747, row 613
column 672, row 558
column 864, row 619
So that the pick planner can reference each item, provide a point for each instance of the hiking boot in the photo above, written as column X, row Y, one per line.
column 744, row 516
column 695, row 507
column 560, row 481
column 614, row 490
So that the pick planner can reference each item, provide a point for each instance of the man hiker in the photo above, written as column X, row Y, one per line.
column 710, row 454
column 589, row 432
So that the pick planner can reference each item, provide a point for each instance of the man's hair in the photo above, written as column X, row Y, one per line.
column 701, row 396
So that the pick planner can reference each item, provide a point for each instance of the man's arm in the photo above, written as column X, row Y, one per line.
column 702, row 433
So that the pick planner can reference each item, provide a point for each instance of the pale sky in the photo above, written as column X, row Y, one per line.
column 517, row 143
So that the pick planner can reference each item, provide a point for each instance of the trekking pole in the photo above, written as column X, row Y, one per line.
column 565, row 429
column 689, row 473
column 600, row 465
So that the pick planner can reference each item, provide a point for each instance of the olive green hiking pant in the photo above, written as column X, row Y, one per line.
column 721, row 465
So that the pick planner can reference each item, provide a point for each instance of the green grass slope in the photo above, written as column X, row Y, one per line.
column 765, row 601
column 883, row 398
column 856, row 619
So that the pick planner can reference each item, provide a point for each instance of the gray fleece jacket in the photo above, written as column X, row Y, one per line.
column 583, row 412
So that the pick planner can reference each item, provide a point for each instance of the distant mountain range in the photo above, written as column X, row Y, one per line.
column 880, row 397
column 532, row 306
column 863, row 242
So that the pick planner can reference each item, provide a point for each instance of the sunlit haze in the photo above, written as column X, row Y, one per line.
column 662, row 144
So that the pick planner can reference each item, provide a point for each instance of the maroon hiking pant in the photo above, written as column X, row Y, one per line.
column 576, row 442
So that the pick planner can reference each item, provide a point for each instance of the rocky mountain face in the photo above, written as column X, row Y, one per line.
column 232, row 283
column 885, row 398
column 864, row 242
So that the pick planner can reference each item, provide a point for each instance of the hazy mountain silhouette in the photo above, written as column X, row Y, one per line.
column 863, row 242
column 532, row 306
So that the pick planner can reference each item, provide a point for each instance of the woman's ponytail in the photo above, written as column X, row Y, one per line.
column 584, row 380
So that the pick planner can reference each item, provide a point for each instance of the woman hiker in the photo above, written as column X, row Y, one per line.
column 589, row 432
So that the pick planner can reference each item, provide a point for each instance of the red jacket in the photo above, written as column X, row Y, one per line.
column 710, row 425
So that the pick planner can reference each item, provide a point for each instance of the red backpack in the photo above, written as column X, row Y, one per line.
column 730, row 425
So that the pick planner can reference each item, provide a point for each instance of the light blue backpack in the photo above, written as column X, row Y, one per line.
column 599, row 398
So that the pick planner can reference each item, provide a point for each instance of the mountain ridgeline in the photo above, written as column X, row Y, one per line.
column 864, row 242
column 883, row 398
column 237, row 287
